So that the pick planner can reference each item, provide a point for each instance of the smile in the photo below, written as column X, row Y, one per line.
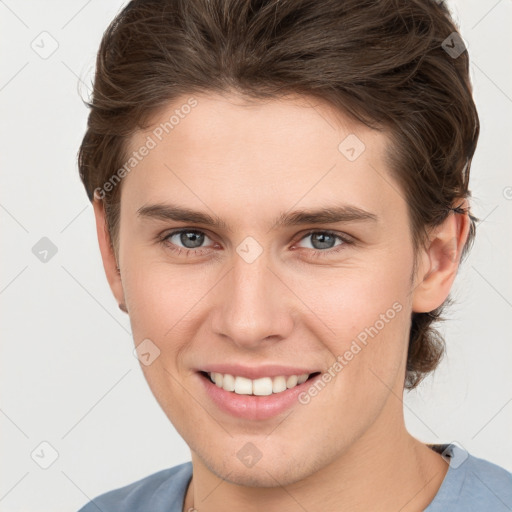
column 258, row 387
column 256, row 399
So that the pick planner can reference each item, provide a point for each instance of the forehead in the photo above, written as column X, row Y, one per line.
column 257, row 156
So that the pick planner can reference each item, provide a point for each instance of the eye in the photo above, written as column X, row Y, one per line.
column 325, row 242
column 190, row 241
column 186, row 241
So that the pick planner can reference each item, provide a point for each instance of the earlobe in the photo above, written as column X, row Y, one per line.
column 107, row 254
column 439, row 262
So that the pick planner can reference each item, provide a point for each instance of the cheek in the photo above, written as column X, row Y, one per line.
column 163, row 302
column 352, row 299
column 161, row 298
column 367, row 313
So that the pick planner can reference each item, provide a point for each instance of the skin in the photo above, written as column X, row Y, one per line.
column 248, row 162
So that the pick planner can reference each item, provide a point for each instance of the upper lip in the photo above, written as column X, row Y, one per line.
column 256, row 372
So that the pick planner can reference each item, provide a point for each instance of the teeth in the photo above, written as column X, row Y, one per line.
column 258, row 387
column 278, row 384
column 291, row 381
column 218, row 378
column 243, row 386
column 262, row 386
column 302, row 378
column 228, row 383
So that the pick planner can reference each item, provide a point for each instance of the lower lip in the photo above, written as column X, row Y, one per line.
column 253, row 407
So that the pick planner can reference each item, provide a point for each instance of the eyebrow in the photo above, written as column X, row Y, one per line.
column 326, row 215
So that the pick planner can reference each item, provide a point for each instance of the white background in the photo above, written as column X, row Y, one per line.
column 68, row 374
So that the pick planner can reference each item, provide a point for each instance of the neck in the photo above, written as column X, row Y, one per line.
column 386, row 469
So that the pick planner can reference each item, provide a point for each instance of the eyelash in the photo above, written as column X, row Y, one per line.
column 164, row 240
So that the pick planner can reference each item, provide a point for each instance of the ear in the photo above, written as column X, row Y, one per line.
column 107, row 254
column 439, row 260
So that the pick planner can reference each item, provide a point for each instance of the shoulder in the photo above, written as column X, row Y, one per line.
column 472, row 484
column 160, row 491
column 487, row 484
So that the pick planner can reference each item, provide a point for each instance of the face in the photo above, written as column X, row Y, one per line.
column 258, row 241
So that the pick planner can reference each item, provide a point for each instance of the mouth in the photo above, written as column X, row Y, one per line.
column 263, row 386
column 257, row 399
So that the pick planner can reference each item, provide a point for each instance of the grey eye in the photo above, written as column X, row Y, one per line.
column 189, row 239
column 322, row 240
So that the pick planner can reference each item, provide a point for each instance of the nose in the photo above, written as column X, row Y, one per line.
column 254, row 307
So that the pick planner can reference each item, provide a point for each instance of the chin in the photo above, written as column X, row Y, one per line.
column 261, row 475
column 273, row 469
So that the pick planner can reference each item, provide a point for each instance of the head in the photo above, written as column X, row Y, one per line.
column 257, row 115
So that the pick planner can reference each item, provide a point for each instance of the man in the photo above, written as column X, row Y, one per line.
column 281, row 198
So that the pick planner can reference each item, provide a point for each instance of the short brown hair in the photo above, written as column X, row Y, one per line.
column 381, row 62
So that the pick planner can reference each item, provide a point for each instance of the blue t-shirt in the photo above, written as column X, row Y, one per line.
column 470, row 485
